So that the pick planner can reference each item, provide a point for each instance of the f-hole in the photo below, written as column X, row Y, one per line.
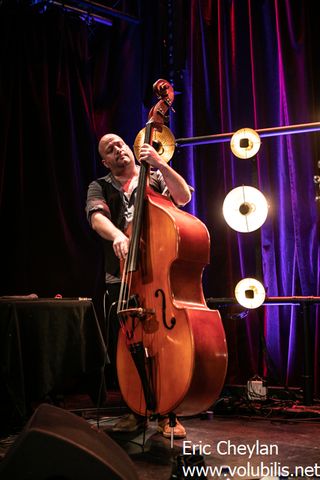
column 164, row 307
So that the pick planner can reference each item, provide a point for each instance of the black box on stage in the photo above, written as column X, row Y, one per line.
column 56, row 444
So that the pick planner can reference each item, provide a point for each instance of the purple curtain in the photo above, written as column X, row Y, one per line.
column 234, row 64
column 254, row 64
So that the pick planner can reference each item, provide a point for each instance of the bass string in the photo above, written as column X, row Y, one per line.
column 126, row 283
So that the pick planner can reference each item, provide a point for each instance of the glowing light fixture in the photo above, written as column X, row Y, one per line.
column 245, row 143
column 245, row 209
column 250, row 293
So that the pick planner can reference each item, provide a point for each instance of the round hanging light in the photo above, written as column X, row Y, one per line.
column 245, row 143
column 245, row 209
column 250, row 293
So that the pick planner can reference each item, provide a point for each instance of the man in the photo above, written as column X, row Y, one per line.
column 110, row 206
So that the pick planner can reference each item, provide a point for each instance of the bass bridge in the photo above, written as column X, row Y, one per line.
column 140, row 313
column 130, row 317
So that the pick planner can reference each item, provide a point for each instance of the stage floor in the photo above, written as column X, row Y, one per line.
column 241, row 447
column 262, row 442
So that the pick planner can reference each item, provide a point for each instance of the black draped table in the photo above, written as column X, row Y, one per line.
column 47, row 347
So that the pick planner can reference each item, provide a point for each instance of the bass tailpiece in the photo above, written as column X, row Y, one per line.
column 143, row 365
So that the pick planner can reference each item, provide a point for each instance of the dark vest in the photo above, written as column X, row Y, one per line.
column 114, row 200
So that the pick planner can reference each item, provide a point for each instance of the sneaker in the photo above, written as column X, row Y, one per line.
column 131, row 423
column 165, row 429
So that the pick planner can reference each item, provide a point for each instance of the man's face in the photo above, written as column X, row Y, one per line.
column 115, row 153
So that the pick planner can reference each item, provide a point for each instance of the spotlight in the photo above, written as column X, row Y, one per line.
column 245, row 209
column 245, row 143
column 250, row 293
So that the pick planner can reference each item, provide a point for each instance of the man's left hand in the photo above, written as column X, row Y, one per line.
column 148, row 154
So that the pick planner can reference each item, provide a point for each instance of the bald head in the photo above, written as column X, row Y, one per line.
column 115, row 154
column 105, row 140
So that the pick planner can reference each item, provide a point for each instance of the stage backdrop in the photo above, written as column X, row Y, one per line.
column 65, row 81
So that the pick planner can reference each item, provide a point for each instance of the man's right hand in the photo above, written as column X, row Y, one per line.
column 121, row 245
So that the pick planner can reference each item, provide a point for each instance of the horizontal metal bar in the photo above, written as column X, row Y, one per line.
column 297, row 300
column 92, row 9
column 71, row 8
column 263, row 132
column 109, row 11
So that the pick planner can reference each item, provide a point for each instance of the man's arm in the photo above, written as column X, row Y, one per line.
column 177, row 186
column 98, row 214
column 107, row 230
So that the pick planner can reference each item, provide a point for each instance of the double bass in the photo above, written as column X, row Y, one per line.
column 172, row 354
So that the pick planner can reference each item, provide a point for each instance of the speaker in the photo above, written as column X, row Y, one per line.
column 57, row 445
